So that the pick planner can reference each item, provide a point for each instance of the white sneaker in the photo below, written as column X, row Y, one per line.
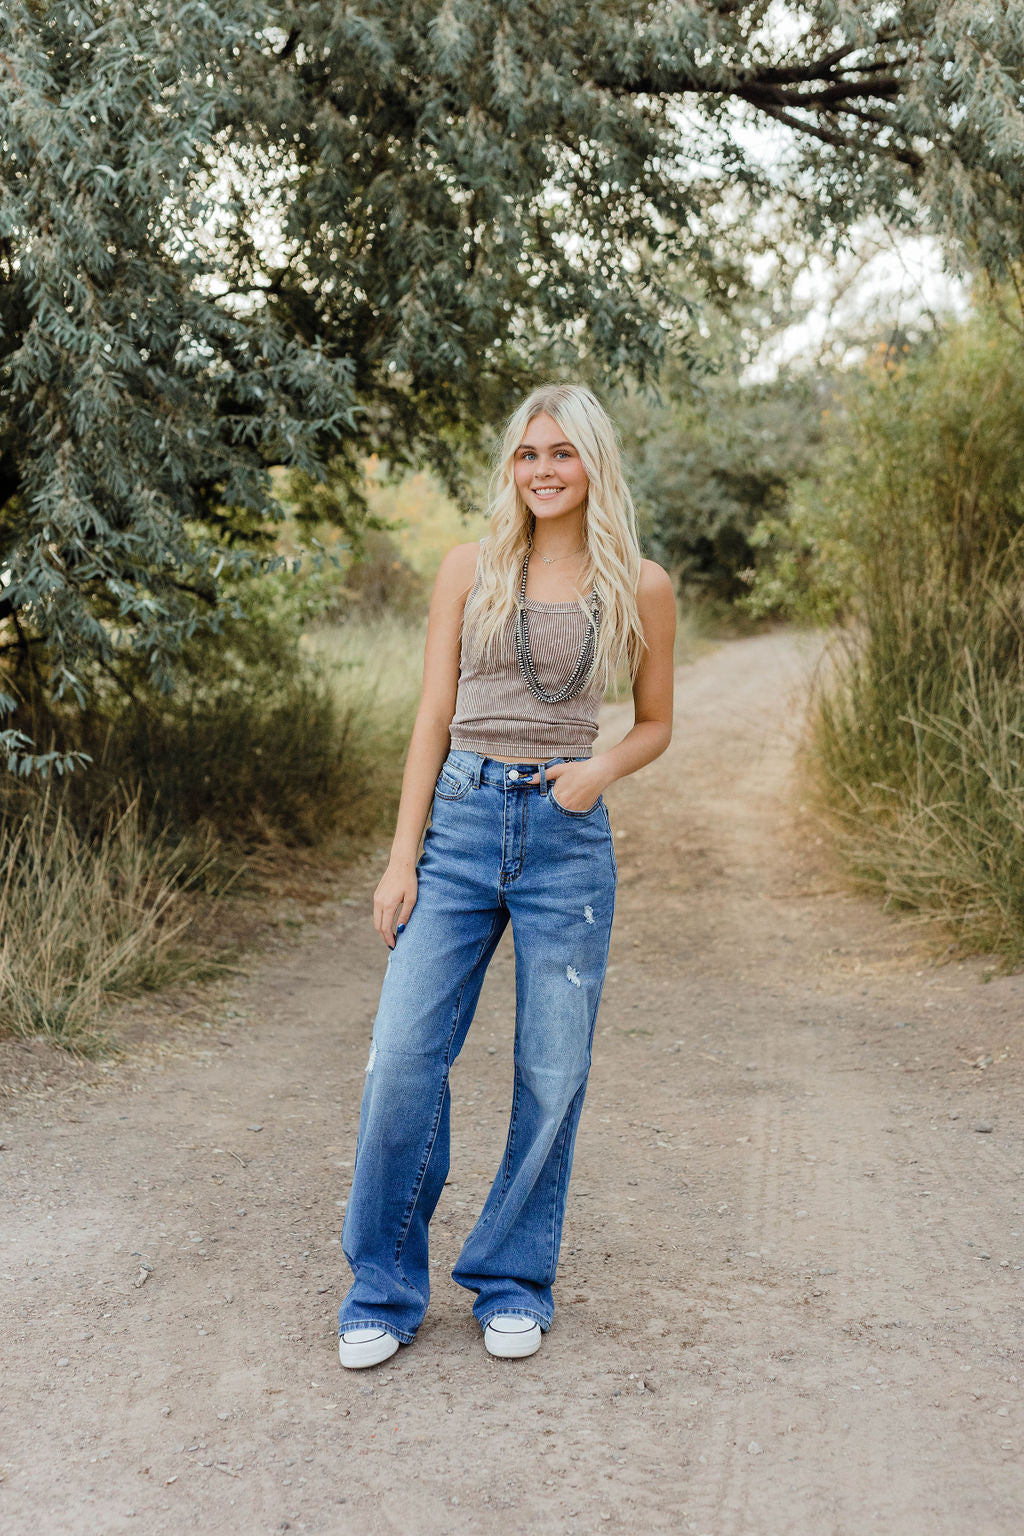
column 358, row 1347
column 512, row 1337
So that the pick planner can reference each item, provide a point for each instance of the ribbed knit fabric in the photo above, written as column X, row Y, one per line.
column 498, row 716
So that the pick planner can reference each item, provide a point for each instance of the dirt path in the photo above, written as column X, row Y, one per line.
column 789, row 1299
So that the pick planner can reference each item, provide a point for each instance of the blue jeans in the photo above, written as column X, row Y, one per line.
column 497, row 848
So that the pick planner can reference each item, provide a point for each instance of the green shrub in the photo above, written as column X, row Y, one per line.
column 248, row 746
column 920, row 730
column 268, row 737
column 708, row 468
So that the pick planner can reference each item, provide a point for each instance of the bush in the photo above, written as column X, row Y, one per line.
column 248, row 746
column 710, row 467
column 920, row 733
column 269, row 737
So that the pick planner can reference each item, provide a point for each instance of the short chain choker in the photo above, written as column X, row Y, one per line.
column 552, row 559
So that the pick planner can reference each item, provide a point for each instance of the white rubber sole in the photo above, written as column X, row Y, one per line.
column 360, row 1347
column 512, row 1338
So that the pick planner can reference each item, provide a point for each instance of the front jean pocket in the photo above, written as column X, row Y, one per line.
column 453, row 782
column 576, row 815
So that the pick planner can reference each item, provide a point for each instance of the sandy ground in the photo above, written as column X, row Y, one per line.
column 789, row 1296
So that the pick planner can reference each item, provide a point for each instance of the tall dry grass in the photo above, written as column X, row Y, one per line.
column 374, row 667
column 85, row 922
column 919, row 738
column 302, row 744
column 97, row 903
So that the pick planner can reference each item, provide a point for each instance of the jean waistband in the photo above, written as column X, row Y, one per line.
column 490, row 770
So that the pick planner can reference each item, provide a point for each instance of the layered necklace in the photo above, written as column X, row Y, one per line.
column 584, row 662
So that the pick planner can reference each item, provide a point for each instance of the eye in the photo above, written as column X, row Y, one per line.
column 527, row 453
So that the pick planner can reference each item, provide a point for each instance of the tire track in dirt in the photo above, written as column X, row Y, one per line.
column 789, row 1297
column 823, row 1187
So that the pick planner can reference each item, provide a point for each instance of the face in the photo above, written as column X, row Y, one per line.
column 549, row 472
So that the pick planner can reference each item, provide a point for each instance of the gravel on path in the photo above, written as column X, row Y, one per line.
column 789, row 1301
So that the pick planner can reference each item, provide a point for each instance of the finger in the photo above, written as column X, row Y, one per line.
column 381, row 924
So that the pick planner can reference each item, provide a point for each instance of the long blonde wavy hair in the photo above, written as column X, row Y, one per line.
column 612, row 564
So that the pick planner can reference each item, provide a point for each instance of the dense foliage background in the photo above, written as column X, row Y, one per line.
column 247, row 235
column 270, row 275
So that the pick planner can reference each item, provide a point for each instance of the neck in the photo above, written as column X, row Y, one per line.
column 555, row 542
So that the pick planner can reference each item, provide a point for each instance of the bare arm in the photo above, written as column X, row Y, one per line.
column 652, row 688
column 429, row 744
column 581, row 783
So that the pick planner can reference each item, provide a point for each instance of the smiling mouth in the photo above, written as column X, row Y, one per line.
column 547, row 491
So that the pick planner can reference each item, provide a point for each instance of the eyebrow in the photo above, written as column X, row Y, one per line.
column 533, row 449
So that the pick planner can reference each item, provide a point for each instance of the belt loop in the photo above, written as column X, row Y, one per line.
column 478, row 768
column 543, row 785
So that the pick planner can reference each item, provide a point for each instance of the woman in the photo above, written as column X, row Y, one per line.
column 526, row 630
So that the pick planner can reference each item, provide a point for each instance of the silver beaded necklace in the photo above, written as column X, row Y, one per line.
column 584, row 662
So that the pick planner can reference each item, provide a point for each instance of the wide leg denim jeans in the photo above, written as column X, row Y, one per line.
column 497, row 849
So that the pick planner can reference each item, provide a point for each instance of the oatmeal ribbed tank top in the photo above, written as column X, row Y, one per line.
column 495, row 712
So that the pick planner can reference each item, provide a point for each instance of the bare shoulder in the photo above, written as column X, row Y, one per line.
column 462, row 557
column 654, row 589
column 459, row 564
column 457, row 572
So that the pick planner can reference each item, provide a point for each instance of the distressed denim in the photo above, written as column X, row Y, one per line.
column 497, row 849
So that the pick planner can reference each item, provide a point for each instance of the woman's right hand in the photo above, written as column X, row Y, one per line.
column 394, row 899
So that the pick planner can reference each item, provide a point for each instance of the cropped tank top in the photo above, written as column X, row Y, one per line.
column 495, row 712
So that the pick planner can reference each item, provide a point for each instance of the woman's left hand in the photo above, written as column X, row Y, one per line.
column 584, row 784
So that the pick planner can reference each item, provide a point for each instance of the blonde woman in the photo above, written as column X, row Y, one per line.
column 526, row 629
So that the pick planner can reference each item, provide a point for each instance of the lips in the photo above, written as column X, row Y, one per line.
column 546, row 492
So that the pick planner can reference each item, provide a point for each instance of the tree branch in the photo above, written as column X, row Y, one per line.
column 288, row 46
column 836, row 139
column 834, row 95
column 828, row 63
column 115, row 677
column 873, row 118
column 831, row 86
column 23, row 643
column 208, row 598
column 798, row 74
column 874, row 66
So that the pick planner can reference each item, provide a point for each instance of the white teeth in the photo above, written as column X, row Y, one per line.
column 548, row 490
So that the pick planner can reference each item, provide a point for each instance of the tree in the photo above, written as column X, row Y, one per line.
column 243, row 235
column 709, row 467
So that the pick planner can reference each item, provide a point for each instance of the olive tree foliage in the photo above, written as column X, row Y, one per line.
column 242, row 235
column 138, row 413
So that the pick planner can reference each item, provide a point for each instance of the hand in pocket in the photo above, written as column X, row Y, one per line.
column 574, row 786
